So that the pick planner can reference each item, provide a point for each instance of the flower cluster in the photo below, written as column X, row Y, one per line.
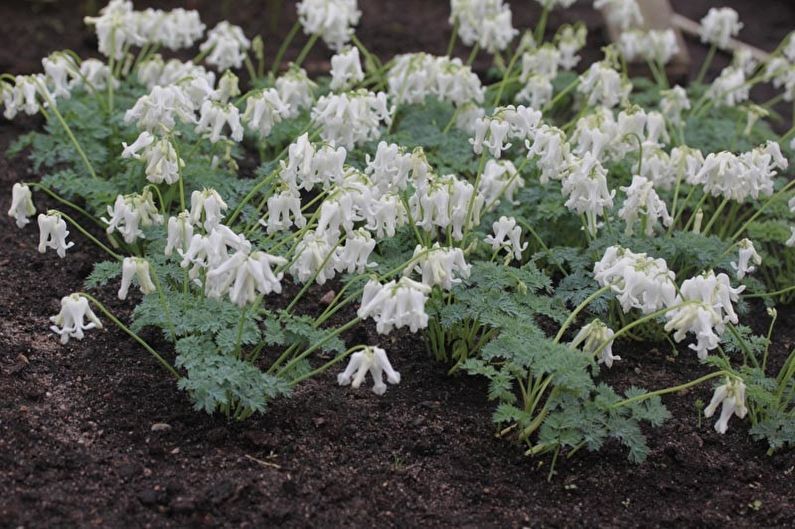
column 331, row 20
column 486, row 23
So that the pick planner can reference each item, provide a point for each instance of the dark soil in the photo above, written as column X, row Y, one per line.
column 77, row 448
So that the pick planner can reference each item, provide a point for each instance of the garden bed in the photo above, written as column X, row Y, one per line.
column 94, row 433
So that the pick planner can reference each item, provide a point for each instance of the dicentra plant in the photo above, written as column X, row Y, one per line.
column 528, row 228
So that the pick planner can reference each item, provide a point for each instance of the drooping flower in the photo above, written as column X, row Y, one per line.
column 70, row 321
column 639, row 281
column 731, row 396
column 265, row 109
column 597, row 338
column 22, row 207
column 53, row 233
column 483, row 22
column 179, row 234
column 439, row 266
column 395, row 304
column 507, row 227
column 214, row 117
column 207, row 202
column 703, row 307
column 226, row 46
column 130, row 213
column 331, row 20
column 719, row 26
column 747, row 255
column 374, row 360
column 138, row 268
column 587, row 191
column 643, row 203
column 352, row 118
column 346, row 69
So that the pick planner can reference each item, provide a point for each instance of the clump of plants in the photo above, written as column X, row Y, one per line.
column 528, row 227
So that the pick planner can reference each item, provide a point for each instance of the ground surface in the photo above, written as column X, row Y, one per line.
column 76, row 442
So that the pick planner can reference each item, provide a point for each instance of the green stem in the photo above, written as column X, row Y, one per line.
column 674, row 389
column 89, row 236
column 577, row 310
column 306, row 49
column 328, row 364
column 62, row 121
column 762, row 209
column 133, row 335
column 283, row 48
column 706, row 64
column 336, row 332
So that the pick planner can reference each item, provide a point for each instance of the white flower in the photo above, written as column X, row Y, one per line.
column 281, row 206
column 638, row 281
column 70, row 321
column 210, row 251
column 389, row 169
column 374, row 360
column 296, row 90
column 214, row 116
column 21, row 204
column 96, row 73
column 658, row 46
column 346, row 69
column 243, row 275
column 228, row 87
column 747, row 255
column 210, row 203
column 385, row 215
column 500, row 178
column 719, row 26
column 352, row 118
column 131, row 212
column 160, row 109
column 732, row 397
column 507, row 227
column 116, row 28
column 264, row 109
column 446, row 202
column 226, row 46
column 570, row 40
column 307, row 166
column 175, row 29
column 138, row 268
column 505, row 124
column 643, row 203
column 483, row 22
column 730, row 87
column 331, row 20
column 395, row 305
column 180, row 233
column 738, row 177
column 587, row 191
column 551, row 152
column 354, row 254
column 439, row 266
column 145, row 139
column 59, row 68
column 597, row 337
column 467, row 117
column 603, row 85
column 415, row 76
column 673, row 102
column 162, row 162
column 314, row 256
column 53, row 233
column 623, row 13
column 537, row 91
column 706, row 306
column 686, row 163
